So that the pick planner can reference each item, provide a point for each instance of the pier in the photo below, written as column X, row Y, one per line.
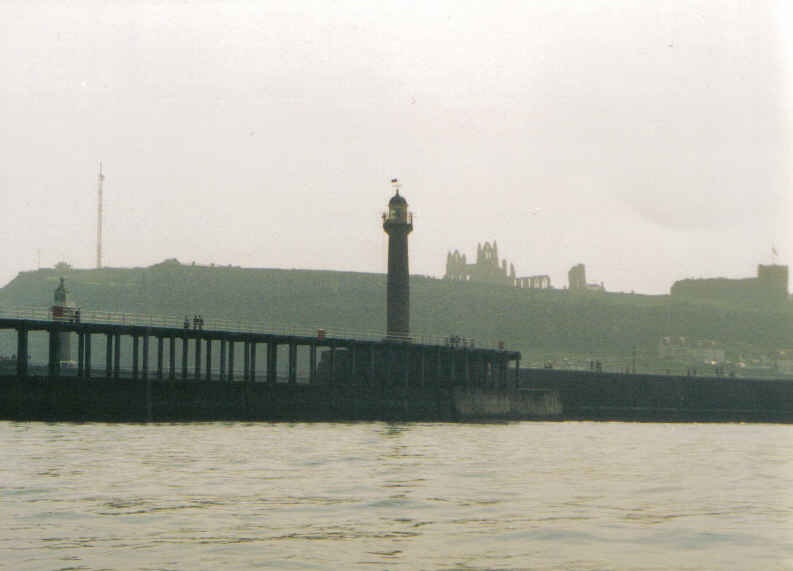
column 172, row 353
column 138, row 372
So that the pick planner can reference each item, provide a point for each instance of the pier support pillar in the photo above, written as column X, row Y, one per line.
column 108, row 355
column 87, row 363
column 517, row 373
column 353, row 375
column 53, row 365
column 253, row 361
column 230, row 374
column 145, row 365
column 467, row 367
column 116, row 355
column 209, row 360
column 172, row 357
column 272, row 362
column 135, row 356
column 185, row 346
column 197, row 364
column 246, row 360
column 332, row 364
column 292, row 363
column 160, row 349
column 80, row 354
column 222, row 371
column 312, row 363
column 438, row 367
column 22, row 352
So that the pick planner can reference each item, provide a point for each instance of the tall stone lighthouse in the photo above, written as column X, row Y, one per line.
column 398, row 223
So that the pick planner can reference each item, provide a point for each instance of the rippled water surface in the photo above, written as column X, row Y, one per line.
column 408, row 496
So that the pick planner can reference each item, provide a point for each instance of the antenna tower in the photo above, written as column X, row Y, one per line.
column 99, row 180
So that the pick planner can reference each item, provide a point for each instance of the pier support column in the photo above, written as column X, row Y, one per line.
column 312, row 363
column 353, row 375
column 517, row 373
column 160, row 349
column 467, row 368
column 53, row 365
column 108, row 355
column 197, row 363
column 80, row 354
column 452, row 367
column 135, row 356
column 172, row 357
column 22, row 352
column 252, row 372
column 87, row 364
column 209, row 360
column 292, row 363
column 272, row 362
column 222, row 371
column 145, row 364
column 185, row 347
column 231, row 360
column 116, row 355
column 246, row 360
column 332, row 364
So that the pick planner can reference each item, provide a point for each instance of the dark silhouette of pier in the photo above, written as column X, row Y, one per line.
column 190, row 355
column 178, row 373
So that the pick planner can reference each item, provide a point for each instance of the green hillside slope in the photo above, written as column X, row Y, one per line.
column 543, row 324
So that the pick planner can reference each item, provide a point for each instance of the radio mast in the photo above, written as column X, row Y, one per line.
column 99, row 180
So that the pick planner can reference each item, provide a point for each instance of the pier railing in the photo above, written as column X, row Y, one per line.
column 237, row 325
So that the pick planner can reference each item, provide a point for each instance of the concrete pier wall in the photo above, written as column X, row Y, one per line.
column 136, row 400
column 587, row 395
column 484, row 404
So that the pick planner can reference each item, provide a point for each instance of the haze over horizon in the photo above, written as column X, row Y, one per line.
column 650, row 141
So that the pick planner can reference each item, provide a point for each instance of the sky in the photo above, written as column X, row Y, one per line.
column 650, row 141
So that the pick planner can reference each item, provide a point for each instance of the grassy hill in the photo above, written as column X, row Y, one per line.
column 543, row 324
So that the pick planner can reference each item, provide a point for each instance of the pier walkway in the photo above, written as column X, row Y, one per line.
column 166, row 348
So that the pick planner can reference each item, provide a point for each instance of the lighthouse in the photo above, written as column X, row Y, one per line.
column 63, row 309
column 398, row 223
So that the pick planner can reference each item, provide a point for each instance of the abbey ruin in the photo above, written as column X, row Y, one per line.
column 490, row 270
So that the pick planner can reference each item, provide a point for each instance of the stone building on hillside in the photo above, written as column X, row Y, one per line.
column 534, row 282
column 768, row 288
column 702, row 351
column 577, row 280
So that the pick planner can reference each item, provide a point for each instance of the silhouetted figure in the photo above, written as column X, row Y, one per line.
column 77, row 316
column 186, row 322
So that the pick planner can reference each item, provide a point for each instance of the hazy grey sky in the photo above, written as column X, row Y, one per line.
column 649, row 140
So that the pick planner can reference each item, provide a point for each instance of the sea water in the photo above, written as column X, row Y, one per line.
column 525, row 495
